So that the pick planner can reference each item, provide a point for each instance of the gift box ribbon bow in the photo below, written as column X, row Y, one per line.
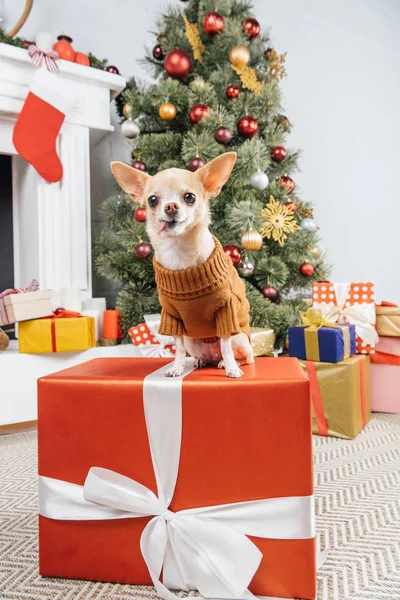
column 32, row 287
column 360, row 315
column 206, row 549
column 37, row 55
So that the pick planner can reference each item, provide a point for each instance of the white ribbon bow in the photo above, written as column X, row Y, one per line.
column 156, row 350
column 205, row 549
column 360, row 315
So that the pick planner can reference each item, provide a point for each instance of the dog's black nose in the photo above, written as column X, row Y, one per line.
column 171, row 208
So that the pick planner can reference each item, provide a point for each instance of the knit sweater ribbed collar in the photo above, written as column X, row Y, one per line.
column 190, row 283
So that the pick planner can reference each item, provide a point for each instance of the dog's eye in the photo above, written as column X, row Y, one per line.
column 189, row 198
column 153, row 201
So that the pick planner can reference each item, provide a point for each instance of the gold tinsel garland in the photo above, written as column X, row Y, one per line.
column 302, row 210
column 276, row 64
column 248, row 77
column 192, row 34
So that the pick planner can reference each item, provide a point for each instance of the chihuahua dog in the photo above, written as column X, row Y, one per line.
column 203, row 299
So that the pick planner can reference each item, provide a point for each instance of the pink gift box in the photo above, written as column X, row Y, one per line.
column 385, row 378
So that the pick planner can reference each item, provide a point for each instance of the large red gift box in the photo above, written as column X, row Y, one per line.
column 242, row 440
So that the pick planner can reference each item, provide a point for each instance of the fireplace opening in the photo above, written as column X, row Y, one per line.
column 6, row 224
column 6, row 229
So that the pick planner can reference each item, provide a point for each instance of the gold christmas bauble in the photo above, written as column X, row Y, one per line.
column 315, row 252
column 239, row 56
column 251, row 240
column 167, row 111
column 127, row 109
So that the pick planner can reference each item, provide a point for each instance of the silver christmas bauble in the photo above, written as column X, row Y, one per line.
column 315, row 252
column 308, row 225
column 246, row 266
column 130, row 129
column 259, row 180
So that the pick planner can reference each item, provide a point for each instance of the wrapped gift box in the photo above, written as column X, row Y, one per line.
column 150, row 343
column 323, row 344
column 351, row 303
column 385, row 376
column 66, row 334
column 242, row 441
column 23, row 306
column 341, row 396
column 388, row 319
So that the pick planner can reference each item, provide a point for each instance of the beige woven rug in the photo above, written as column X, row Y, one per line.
column 358, row 516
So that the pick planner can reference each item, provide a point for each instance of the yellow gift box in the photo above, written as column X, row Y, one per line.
column 341, row 396
column 67, row 334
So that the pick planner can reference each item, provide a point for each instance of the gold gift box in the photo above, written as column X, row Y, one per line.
column 56, row 335
column 262, row 341
column 388, row 321
column 345, row 392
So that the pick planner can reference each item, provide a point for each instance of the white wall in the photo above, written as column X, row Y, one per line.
column 342, row 94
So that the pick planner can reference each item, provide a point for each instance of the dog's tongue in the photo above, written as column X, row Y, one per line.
column 162, row 226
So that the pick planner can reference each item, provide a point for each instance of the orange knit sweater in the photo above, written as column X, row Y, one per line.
column 203, row 302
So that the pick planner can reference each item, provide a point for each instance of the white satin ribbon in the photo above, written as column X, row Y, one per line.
column 205, row 549
column 361, row 315
column 156, row 350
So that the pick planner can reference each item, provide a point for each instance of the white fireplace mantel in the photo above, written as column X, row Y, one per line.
column 52, row 233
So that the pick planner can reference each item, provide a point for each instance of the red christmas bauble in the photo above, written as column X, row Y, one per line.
column 234, row 253
column 198, row 112
column 143, row 250
column 252, row 28
column 196, row 163
column 64, row 50
column 306, row 269
column 292, row 206
column 278, row 154
column 247, row 126
column 232, row 91
column 177, row 64
column 269, row 292
column 287, row 183
column 139, row 165
column 268, row 53
column 213, row 23
column 82, row 59
column 112, row 69
column 140, row 214
column 158, row 53
column 223, row 135
column 27, row 43
column 284, row 121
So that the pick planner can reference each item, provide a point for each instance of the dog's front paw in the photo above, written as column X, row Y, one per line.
column 235, row 372
column 174, row 371
column 199, row 363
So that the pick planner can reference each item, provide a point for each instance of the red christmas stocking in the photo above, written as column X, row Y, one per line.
column 39, row 122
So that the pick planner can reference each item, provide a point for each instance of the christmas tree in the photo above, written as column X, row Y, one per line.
column 216, row 89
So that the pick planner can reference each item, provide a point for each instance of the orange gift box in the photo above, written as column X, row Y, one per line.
column 242, row 440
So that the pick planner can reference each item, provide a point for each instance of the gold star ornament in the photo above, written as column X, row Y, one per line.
column 278, row 221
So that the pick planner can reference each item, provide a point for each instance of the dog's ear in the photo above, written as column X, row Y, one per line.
column 215, row 173
column 131, row 180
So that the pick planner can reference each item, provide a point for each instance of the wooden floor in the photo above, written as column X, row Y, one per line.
column 18, row 427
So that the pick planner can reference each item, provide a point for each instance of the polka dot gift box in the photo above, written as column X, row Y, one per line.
column 352, row 303
column 146, row 337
